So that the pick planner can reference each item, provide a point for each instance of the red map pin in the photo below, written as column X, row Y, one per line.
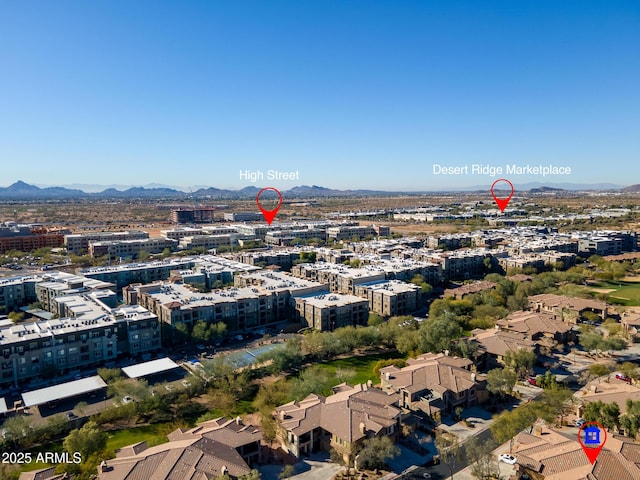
column 595, row 437
column 269, row 215
column 502, row 202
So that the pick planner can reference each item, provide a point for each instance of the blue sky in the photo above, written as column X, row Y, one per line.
column 351, row 94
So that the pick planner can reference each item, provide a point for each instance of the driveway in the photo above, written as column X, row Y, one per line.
column 316, row 467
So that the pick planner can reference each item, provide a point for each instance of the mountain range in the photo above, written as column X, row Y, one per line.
column 24, row 191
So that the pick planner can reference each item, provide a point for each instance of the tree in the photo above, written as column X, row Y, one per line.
column 375, row 453
column 374, row 319
column 88, row 440
column 548, row 380
column 598, row 370
column 481, row 459
column 449, row 450
column 520, row 361
column 437, row 334
column 143, row 255
column 501, row 381
column 287, row 472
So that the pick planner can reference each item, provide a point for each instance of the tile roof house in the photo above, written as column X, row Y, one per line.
column 613, row 390
column 555, row 455
column 434, row 384
column 45, row 474
column 537, row 326
column 207, row 451
column 569, row 309
column 494, row 344
column 339, row 421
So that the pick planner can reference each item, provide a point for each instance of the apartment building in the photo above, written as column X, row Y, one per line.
column 147, row 272
column 17, row 292
column 290, row 237
column 340, row 278
column 53, row 285
column 347, row 232
column 179, row 233
column 341, row 421
column 607, row 242
column 326, row 312
column 208, row 242
column 78, row 243
column 130, row 248
column 239, row 308
column 44, row 348
column 279, row 282
column 390, row 298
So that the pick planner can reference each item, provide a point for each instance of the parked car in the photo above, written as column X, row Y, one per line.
column 623, row 377
column 126, row 399
column 506, row 458
column 71, row 416
column 580, row 422
column 532, row 381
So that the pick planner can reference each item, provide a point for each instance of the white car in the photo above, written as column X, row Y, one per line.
column 126, row 399
column 506, row 458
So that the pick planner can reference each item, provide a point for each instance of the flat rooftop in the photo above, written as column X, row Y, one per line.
column 150, row 368
column 62, row 391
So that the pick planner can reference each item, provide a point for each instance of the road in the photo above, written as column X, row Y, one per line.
column 441, row 471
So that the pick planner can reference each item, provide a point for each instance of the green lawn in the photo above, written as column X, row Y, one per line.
column 363, row 366
column 626, row 293
column 153, row 434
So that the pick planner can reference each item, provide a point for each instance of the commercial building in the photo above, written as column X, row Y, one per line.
column 330, row 311
column 243, row 217
column 193, row 215
column 25, row 238
column 78, row 243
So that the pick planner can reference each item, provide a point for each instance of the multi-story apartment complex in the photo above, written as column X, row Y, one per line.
column 130, row 248
column 78, row 243
column 17, row 292
column 346, row 232
column 331, row 311
column 266, row 302
column 59, row 345
column 390, row 297
column 290, row 237
column 147, row 272
column 340, row 278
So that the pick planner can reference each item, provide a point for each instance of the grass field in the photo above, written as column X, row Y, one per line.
column 363, row 366
column 623, row 292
